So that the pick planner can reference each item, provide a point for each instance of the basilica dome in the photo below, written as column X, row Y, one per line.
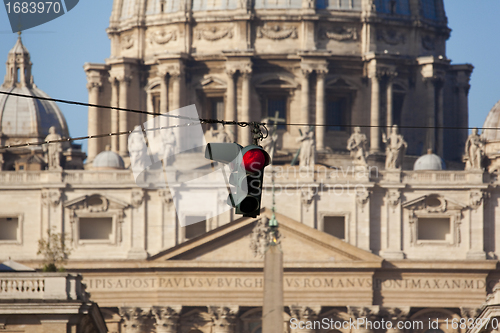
column 21, row 117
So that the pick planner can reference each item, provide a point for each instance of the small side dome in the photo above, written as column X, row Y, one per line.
column 429, row 161
column 108, row 160
column 492, row 122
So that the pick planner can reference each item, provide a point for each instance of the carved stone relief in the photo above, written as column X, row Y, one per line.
column 429, row 43
column 391, row 36
column 163, row 36
column 276, row 32
column 339, row 33
column 127, row 41
column 213, row 33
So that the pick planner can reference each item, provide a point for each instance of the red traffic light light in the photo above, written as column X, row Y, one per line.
column 254, row 160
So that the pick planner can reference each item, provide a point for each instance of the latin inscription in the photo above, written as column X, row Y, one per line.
column 290, row 283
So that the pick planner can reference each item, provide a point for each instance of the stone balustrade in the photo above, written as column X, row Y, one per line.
column 46, row 286
column 282, row 174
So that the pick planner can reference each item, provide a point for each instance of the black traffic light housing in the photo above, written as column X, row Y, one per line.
column 247, row 174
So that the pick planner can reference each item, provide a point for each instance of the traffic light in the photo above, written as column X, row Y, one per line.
column 247, row 174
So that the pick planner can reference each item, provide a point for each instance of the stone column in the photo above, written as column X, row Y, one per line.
column 305, row 314
column 438, row 86
column 175, row 76
column 359, row 232
column 150, row 106
column 476, row 226
column 94, row 88
column 389, row 104
column 163, row 93
column 133, row 318
column 304, row 97
column 244, row 135
column 375, row 115
column 138, row 230
column 224, row 318
column 166, row 318
column 114, row 113
column 320, row 109
column 230, row 112
column 393, row 233
column 123, row 115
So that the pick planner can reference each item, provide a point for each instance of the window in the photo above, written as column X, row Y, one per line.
column 9, row 228
column 335, row 226
column 156, row 103
column 195, row 227
column 96, row 228
column 434, row 229
column 429, row 9
column 279, row 104
column 337, row 113
column 216, row 105
column 401, row 7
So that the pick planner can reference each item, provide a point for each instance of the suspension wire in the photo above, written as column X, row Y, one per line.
column 197, row 121
column 40, row 143
column 233, row 122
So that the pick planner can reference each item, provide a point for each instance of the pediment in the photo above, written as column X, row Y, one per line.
column 212, row 82
column 434, row 203
column 300, row 244
column 95, row 203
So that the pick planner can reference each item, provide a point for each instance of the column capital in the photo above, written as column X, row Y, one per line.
column 303, row 312
column 94, row 86
column 224, row 318
column 174, row 70
column 123, row 78
column 395, row 313
column 386, row 73
column 133, row 318
column 243, row 67
column 166, row 318
column 363, row 311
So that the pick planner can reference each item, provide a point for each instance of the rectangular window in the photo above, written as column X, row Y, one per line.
column 156, row 103
column 96, row 228
column 434, row 229
column 429, row 9
column 9, row 227
column 335, row 226
column 216, row 109
column 277, row 104
column 194, row 229
column 336, row 114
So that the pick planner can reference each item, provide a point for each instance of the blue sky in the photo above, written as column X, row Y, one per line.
column 60, row 48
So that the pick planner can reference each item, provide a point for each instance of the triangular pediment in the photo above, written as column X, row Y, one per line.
column 299, row 243
column 212, row 82
column 434, row 203
column 95, row 203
